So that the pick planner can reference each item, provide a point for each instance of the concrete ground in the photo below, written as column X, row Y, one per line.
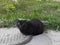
column 49, row 38
column 12, row 36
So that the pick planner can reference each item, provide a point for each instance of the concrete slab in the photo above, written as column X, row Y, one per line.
column 49, row 38
column 12, row 36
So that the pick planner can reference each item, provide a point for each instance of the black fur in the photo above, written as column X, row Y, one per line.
column 32, row 27
column 20, row 22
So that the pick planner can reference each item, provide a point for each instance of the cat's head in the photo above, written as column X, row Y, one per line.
column 20, row 22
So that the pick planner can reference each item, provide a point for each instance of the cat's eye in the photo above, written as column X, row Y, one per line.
column 18, row 23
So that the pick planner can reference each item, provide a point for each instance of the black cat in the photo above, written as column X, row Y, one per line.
column 30, row 27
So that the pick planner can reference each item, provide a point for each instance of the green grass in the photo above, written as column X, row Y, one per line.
column 49, row 12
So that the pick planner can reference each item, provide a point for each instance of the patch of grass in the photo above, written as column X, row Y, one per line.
column 47, row 11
